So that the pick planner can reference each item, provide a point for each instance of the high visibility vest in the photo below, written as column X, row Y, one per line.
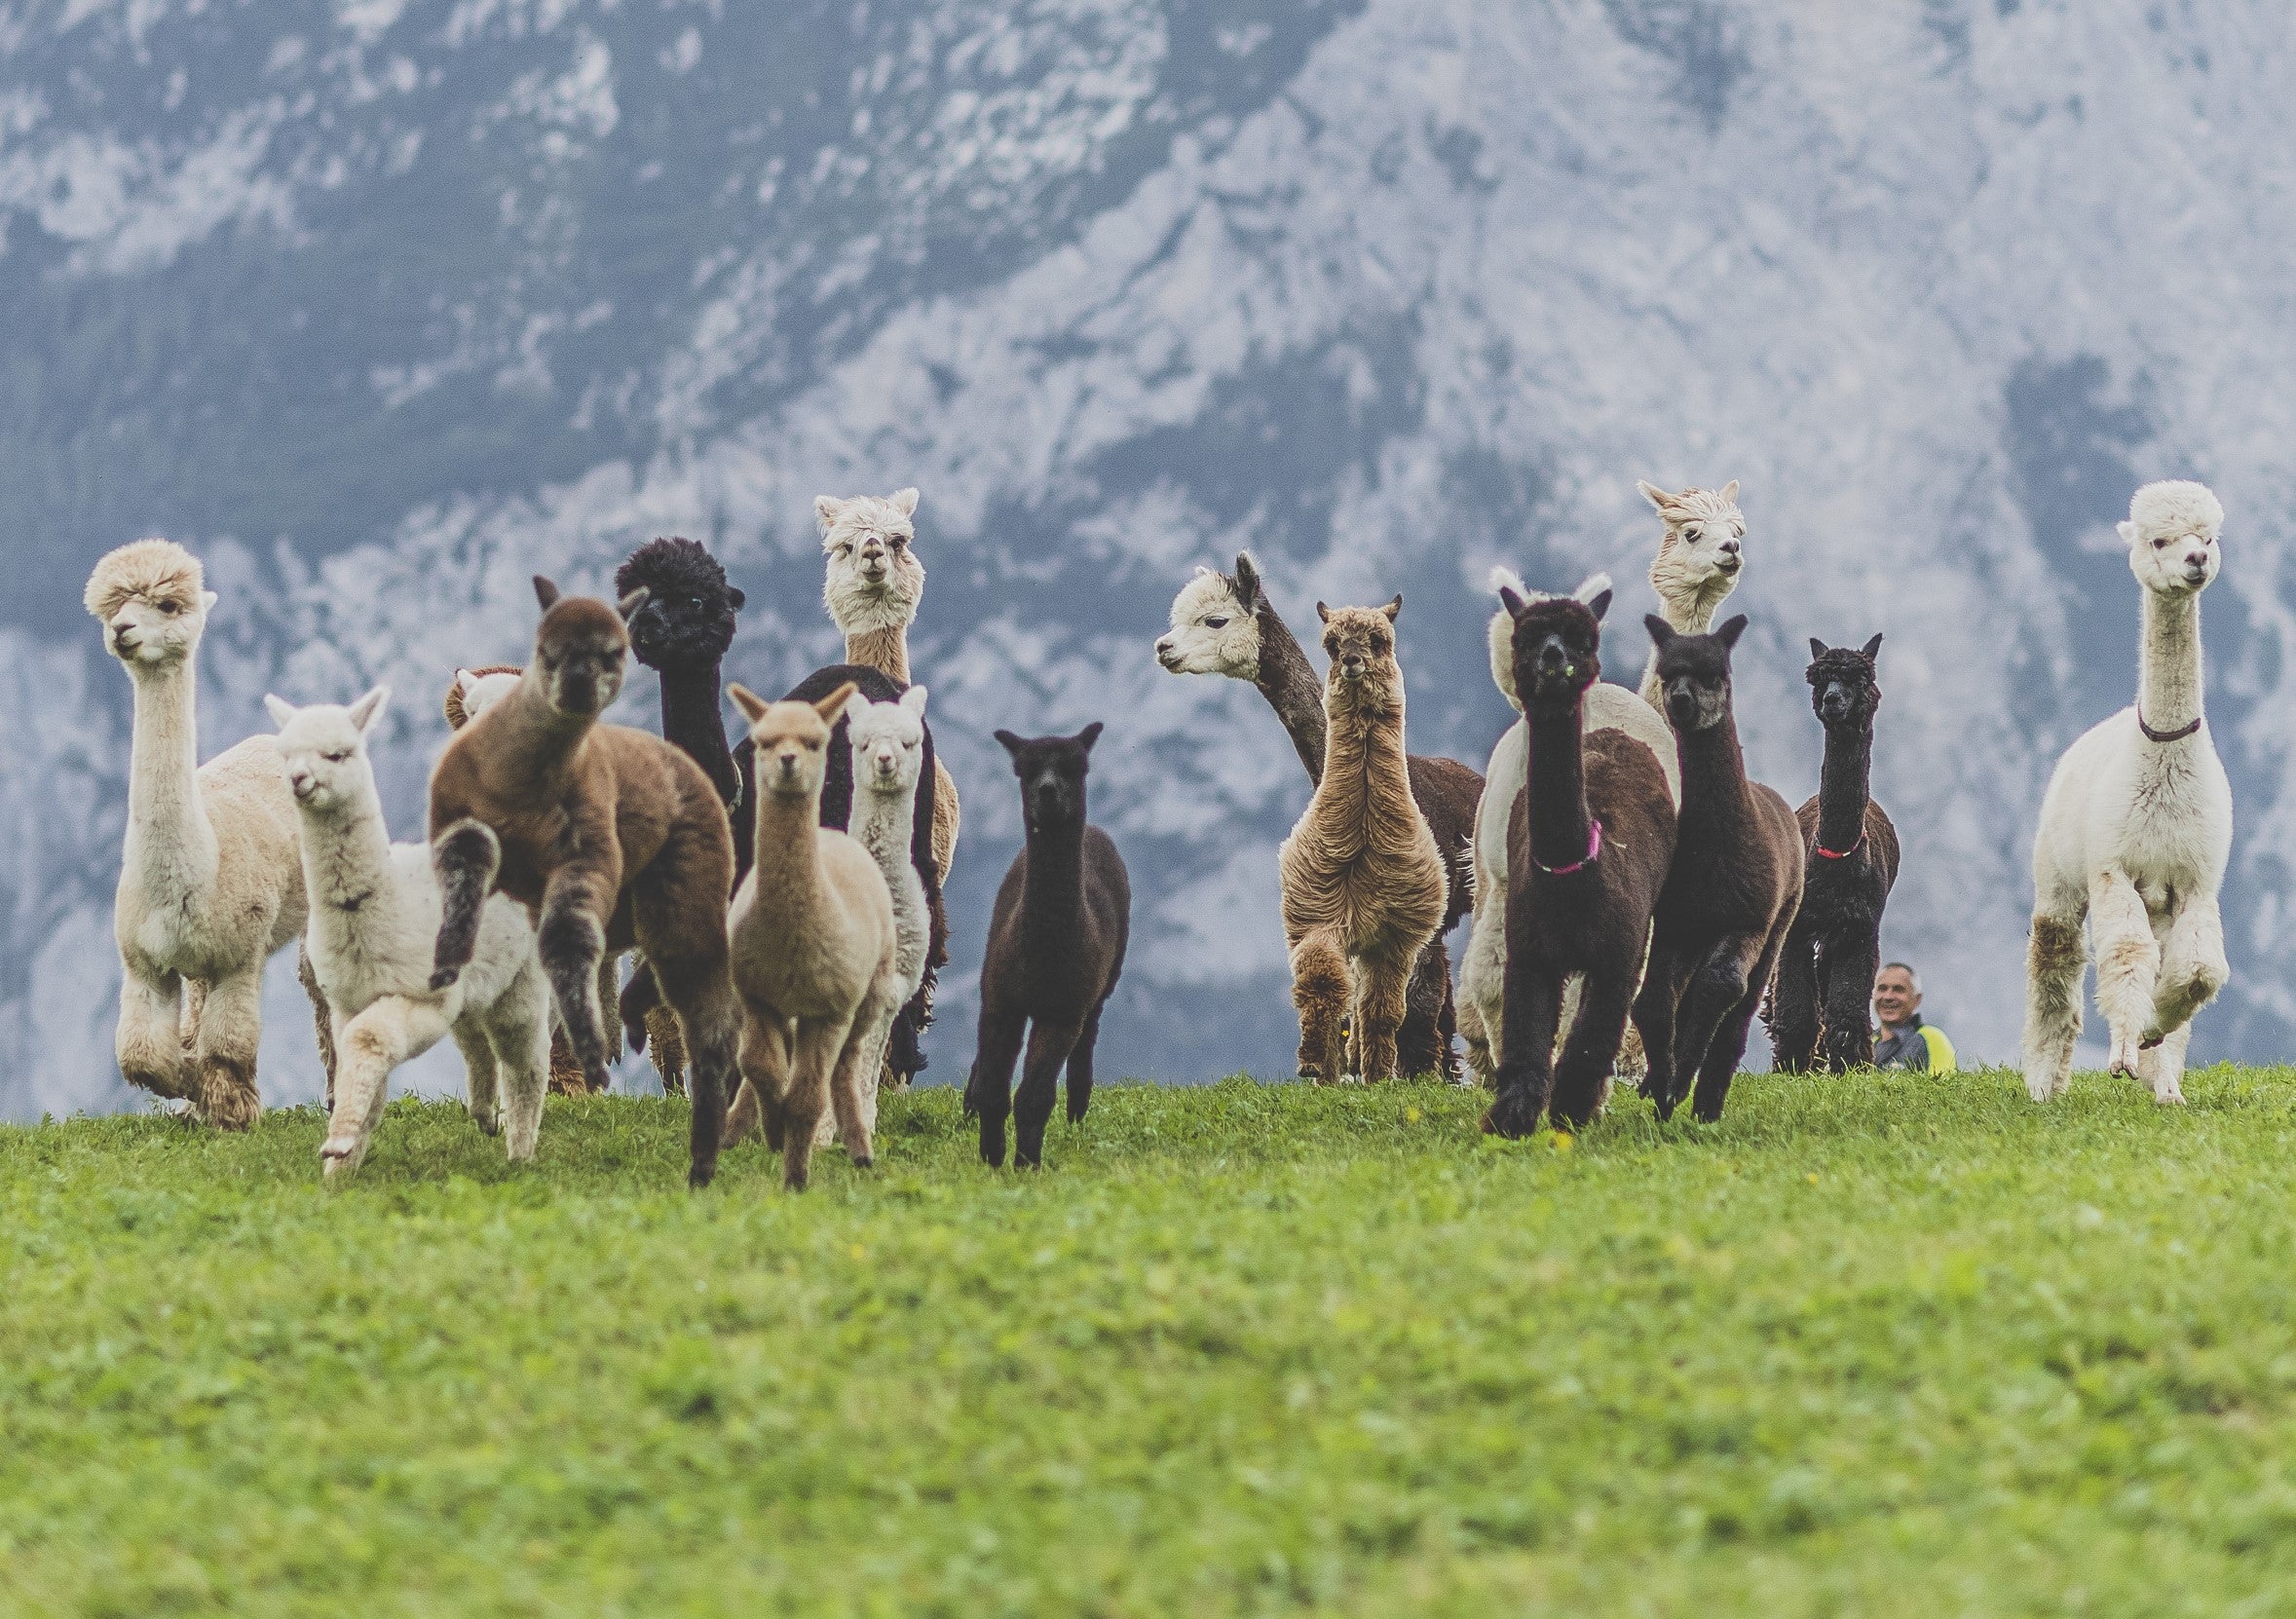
column 1941, row 1059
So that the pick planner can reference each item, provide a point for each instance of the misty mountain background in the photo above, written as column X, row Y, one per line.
column 382, row 308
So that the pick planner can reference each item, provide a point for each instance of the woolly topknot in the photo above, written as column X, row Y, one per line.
column 1502, row 624
column 156, row 570
column 2175, row 507
column 687, row 616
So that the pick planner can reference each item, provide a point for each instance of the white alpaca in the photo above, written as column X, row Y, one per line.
column 374, row 919
column 211, row 882
column 1697, row 565
column 1483, row 973
column 2135, row 832
column 888, row 755
column 873, row 587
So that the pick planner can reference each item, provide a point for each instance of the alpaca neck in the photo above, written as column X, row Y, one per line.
column 690, row 721
column 347, row 857
column 1362, row 747
column 787, row 872
column 1560, row 828
column 2169, row 663
column 1052, row 893
column 1713, row 777
column 885, row 821
column 167, row 826
column 1287, row 680
column 884, row 649
column 1843, row 785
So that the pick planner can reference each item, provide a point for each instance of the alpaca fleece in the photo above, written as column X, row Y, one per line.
column 1721, row 920
column 1590, row 841
column 889, row 761
column 1824, row 979
column 1056, row 945
column 607, row 836
column 211, row 874
column 1363, row 881
column 2136, row 830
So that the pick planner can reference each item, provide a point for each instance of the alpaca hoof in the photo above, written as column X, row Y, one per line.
column 2171, row 1096
column 489, row 1124
column 2125, row 1056
column 700, row 1176
column 1512, row 1115
column 864, row 1161
column 338, row 1157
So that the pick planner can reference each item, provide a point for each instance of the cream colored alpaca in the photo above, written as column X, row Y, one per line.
column 815, row 949
column 2136, row 829
column 1697, row 565
column 887, row 741
column 210, row 879
column 875, row 586
column 374, row 917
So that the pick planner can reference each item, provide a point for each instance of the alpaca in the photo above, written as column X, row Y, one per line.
column 875, row 586
column 2136, row 828
column 1056, row 945
column 1225, row 625
column 1698, row 562
column 607, row 836
column 1590, row 838
column 888, row 759
column 210, row 877
column 1825, row 981
column 1730, row 896
column 470, row 695
column 1363, row 882
column 815, row 947
column 374, row 913
column 1606, row 708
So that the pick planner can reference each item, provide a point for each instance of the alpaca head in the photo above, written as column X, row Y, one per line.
column 1216, row 623
column 150, row 599
column 1502, row 622
column 889, row 742
column 322, row 748
column 1052, row 770
column 1694, row 672
column 2171, row 537
column 1360, row 642
column 875, row 579
column 791, row 740
column 1557, row 643
column 1702, row 550
column 582, row 651
column 475, row 691
column 687, row 621
column 1842, row 689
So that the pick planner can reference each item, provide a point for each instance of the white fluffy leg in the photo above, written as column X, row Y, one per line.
column 369, row 1046
column 2162, row 1067
column 480, row 1079
column 1483, row 984
column 2128, row 964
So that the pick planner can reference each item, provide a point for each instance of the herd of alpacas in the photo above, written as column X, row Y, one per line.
column 1634, row 899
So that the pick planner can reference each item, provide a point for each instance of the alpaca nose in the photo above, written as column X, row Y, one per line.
column 2196, row 565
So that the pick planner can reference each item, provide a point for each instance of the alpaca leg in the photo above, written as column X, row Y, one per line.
column 571, row 940
column 814, row 1056
column 1422, row 1045
column 1080, row 1065
column 231, row 1026
column 1657, row 1009
column 1049, row 1045
column 1727, row 1047
column 321, row 1017
column 518, row 1032
column 1712, row 995
column 763, row 1061
column 1591, row 1047
column 1525, row 1072
column 1793, row 1005
column 2191, row 970
column 2128, row 964
column 386, row 1034
column 1320, row 989
column 481, row 1077
column 150, row 1039
column 988, row 1091
column 2055, row 958
column 1851, row 966
column 1630, row 1063
column 465, row 858
column 1385, row 990
column 1482, row 984
column 863, row 1041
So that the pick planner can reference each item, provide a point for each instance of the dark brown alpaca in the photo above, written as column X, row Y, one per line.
column 1056, row 945
column 608, row 836
column 1721, row 920
column 1850, row 849
column 1589, row 843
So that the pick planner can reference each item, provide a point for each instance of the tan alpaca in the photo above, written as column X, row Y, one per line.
column 212, row 876
column 1363, row 882
column 816, row 949
column 875, row 586
column 1697, row 564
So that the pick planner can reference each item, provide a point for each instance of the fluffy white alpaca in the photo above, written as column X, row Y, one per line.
column 478, row 690
column 1483, row 972
column 2136, row 830
column 211, row 882
column 1698, row 562
column 888, row 755
column 374, row 919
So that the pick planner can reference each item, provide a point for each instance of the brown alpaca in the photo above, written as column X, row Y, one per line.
column 608, row 836
column 1363, row 882
column 816, row 950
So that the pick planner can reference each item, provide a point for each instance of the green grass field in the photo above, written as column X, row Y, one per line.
column 1885, row 1345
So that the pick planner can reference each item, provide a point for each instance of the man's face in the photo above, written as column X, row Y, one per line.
column 1894, row 998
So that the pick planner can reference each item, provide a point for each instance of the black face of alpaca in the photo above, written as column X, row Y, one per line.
column 1694, row 672
column 1051, row 771
column 688, row 614
column 1842, row 689
column 1558, row 645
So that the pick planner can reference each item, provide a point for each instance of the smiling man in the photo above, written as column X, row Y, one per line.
column 1904, row 1041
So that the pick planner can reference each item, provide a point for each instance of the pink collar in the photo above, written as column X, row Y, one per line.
column 1593, row 854
column 1824, row 853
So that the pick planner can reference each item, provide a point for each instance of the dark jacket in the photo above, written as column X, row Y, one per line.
column 1920, row 1046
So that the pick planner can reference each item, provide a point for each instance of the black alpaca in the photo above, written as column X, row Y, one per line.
column 1056, row 944
column 1589, row 843
column 1722, row 917
column 1826, row 976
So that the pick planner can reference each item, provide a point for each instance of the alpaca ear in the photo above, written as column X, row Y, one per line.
column 1729, row 632
column 1661, row 633
column 1600, row 605
column 905, row 502
column 734, row 597
column 1872, row 647
column 913, row 699
column 1012, row 743
column 1730, row 493
column 369, row 708
column 1818, row 647
column 1089, row 736
column 834, row 704
column 208, row 601
column 544, row 591
column 1515, row 604
column 279, row 709
column 1322, row 611
column 1656, row 496
column 1247, row 582
column 629, row 606
column 1593, row 586
column 465, row 682
column 825, row 510
column 2127, row 533
column 753, row 708
column 1394, row 607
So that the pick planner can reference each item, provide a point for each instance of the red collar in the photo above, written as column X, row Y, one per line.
column 1593, row 854
column 1824, row 853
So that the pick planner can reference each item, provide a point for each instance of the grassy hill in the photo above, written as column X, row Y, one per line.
column 1890, row 1345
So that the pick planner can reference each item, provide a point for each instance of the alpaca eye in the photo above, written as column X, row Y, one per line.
column 1215, row 624
column 2160, row 544
column 169, row 608
column 1691, row 535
